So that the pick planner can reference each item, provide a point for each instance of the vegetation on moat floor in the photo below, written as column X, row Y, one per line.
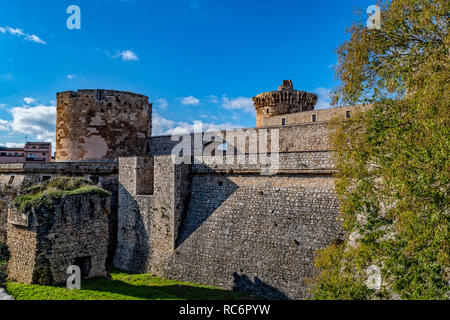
column 54, row 189
column 393, row 161
column 125, row 286
column 4, row 257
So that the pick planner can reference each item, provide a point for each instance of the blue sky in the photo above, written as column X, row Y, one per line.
column 195, row 59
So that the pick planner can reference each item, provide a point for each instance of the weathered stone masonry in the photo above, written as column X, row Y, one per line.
column 225, row 224
column 16, row 177
column 45, row 240
column 102, row 124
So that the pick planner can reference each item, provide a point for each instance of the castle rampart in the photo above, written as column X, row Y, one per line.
column 219, row 218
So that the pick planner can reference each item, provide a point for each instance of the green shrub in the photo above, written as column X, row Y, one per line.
column 393, row 161
column 4, row 257
column 44, row 193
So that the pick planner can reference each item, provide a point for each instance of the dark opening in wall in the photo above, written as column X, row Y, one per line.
column 347, row 115
column 314, row 118
column 94, row 179
column 220, row 183
column 45, row 178
column 283, row 121
column 11, row 180
column 101, row 96
column 267, row 110
column 85, row 265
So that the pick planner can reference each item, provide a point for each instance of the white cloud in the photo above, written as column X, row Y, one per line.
column 162, row 103
column 39, row 120
column 163, row 126
column 324, row 98
column 126, row 55
column 71, row 76
column 4, row 125
column 239, row 103
column 192, row 101
column 19, row 33
column 213, row 99
column 15, row 31
column 35, row 38
column 14, row 145
column 29, row 100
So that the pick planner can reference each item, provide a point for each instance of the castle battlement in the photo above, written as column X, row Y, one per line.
column 284, row 101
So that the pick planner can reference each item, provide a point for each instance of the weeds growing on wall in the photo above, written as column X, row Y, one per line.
column 44, row 193
column 393, row 181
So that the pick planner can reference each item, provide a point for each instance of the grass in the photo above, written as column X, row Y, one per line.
column 56, row 189
column 125, row 286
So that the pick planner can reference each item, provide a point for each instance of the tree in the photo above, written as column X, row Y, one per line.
column 393, row 160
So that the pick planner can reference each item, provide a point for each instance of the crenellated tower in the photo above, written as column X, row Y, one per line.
column 285, row 100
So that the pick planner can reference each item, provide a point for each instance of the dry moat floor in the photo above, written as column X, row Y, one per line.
column 125, row 286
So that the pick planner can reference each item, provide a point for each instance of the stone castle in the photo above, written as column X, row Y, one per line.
column 223, row 223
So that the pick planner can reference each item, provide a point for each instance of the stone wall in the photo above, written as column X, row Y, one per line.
column 292, row 138
column 46, row 240
column 18, row 176
column 322, row 115
column 102, row 124
column 230, row 227
column 149, row 223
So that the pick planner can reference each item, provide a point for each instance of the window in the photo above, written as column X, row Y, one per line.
column 267, row 110
column 348, row 114
column 314, row 118
column 11, row 180
column 283, row 121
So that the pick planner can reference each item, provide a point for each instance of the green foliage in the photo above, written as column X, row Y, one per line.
column 42, row 194
column 393, row 163
column 125, row 286
column 4, row 257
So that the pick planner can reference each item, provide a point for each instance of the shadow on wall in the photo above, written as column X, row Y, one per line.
column 133, row 248
column 203, row 203
column 243, row 283
column 111, row 185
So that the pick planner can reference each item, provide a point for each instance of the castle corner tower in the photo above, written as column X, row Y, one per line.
column 102, row 124
column 284, row 101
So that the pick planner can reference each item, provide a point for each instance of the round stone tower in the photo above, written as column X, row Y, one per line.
column 102, row 124
column 285, row 100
